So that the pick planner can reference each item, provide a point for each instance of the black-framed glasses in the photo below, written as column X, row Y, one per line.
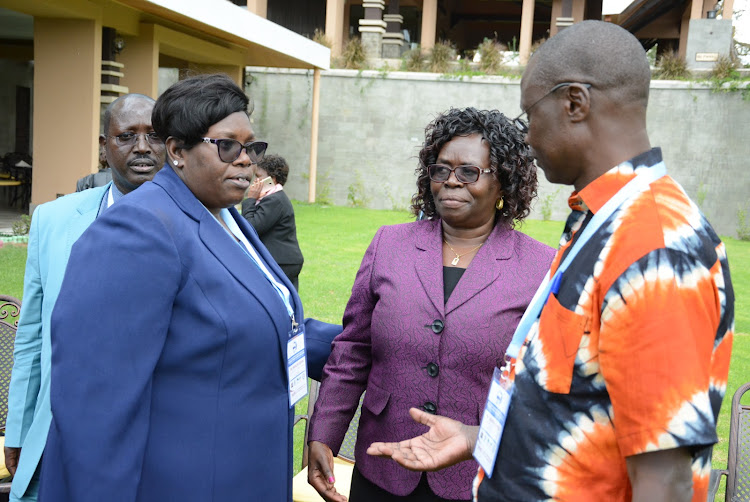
column 439, row 173
column 230, row 149
column 131, row 138
column 523, row 125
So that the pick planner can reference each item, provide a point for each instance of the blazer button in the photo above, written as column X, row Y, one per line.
column 430, row 407
column 437, row 326
column 433, row 370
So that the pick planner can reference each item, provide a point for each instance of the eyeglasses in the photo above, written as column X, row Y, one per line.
column 439, row 173
column 230, row 149
column 523, row 125
column 131, row 138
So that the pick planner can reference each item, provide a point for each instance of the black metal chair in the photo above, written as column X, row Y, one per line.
column 738, row 465
column 343, row 463
column 10, row 309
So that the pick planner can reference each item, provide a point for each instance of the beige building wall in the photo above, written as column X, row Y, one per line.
column 141, row 60
column 67, row 61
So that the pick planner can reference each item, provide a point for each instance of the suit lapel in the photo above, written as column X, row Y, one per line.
column 85, row 214
column 227, row 251
column 484, row 268
column 429, row 262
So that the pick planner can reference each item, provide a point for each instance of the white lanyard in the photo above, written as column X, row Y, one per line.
column 281, row 290
column 110, row 197
column 634, row 186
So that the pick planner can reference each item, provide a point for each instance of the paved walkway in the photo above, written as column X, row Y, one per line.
column 8, row 216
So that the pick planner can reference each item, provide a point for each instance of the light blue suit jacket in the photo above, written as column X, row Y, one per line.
column 55, row 226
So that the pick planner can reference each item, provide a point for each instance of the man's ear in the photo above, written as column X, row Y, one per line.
column 579, row 102
column 102, row 140
column 174, row 152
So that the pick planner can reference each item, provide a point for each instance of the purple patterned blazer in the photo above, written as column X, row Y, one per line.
column 407, row 348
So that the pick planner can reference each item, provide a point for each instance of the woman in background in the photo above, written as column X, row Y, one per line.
column 270, row 212
column 433, row 309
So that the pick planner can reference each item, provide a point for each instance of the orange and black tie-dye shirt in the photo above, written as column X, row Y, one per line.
column 630, row 356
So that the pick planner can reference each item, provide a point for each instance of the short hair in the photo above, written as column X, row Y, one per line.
column 276, row 167
column 116, row 104
column 602, row 54
column 188, row 108
column 510, row 159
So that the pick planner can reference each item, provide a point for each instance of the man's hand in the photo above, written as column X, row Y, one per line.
column 320, row 472
column 661, row 475
column 448, row 442
column 11, row 459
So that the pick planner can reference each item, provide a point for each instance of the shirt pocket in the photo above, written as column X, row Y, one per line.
column 559, row 337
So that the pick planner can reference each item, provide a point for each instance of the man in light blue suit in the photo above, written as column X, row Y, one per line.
column 135, row 154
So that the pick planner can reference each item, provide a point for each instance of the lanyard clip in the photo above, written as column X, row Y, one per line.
column 295, row 325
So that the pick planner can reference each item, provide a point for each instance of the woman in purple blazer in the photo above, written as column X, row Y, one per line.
column 433, row 308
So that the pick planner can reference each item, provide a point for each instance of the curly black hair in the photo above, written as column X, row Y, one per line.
column 276, row 167
column 510, row 159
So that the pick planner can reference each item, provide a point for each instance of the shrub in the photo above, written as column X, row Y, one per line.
column 413, row 60
column 490, row 56
column 441, row 56
column 353, row 55
column 724, row 68
column 320, row 37
column 743, row 227
column 671, row 67
column 22, row 225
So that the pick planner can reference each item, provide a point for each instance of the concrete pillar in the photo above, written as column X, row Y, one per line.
column 236, row 73
column 258, row 7
column 696, row 9
column 684, row 29
column 579, row 10
column 527, row 26
column 141, row 60
column 393, row 39
column 67, row 85
column 314, row 136
column 372, row 28
column 429, row 24
column 728, row 9
column 335, row 25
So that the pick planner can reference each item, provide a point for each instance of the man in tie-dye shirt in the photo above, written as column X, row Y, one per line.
column 618, row 386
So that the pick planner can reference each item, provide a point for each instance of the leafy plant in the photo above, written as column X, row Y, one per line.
column 353, row 55
column 22, row 225
column 357, row 193
column 671, row 67
column 547, row 205
column 413, row 60
column 441, row 56
column 490, row 56
column 743, row 227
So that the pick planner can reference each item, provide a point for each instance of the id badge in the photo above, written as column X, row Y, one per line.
column 493, row 422
column 296, row 366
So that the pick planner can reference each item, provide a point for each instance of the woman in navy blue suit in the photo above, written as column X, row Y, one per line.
column 180, row 385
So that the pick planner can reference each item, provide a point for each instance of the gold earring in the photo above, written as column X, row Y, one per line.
column 499, row 204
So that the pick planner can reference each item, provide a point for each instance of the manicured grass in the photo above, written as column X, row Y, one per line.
column 334, row 239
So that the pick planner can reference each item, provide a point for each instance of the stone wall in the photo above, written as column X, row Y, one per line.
column 372, row 126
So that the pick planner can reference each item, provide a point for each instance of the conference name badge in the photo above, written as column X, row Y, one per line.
column 296, row 366
column 493, row 422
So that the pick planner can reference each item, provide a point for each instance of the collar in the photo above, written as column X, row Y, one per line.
column 594, row 195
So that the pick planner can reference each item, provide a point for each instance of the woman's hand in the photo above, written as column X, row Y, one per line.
column 253, row 192
column 320, row 471
column 448, row 442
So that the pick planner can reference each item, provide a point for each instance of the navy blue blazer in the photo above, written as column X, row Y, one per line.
column 169, row 360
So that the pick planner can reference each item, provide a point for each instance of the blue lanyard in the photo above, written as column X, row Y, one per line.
column 281, row 290
column 634, row 186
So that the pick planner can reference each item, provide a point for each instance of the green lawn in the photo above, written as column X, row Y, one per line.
column 334, row 239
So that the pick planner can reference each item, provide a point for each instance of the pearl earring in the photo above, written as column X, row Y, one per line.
column 174, row 162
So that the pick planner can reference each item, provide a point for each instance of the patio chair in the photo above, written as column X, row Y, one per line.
column 343, row 464
column 10, row 308
column 738, row 465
